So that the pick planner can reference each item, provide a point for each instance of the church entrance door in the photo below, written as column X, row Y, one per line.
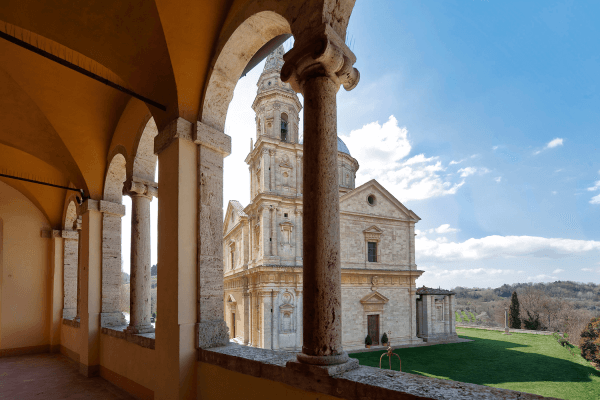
column 233, row 325
column 373, row 328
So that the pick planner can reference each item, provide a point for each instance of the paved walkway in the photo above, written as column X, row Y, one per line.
column 491, row 328
column 51, row 376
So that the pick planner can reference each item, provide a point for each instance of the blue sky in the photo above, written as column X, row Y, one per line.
column 487, row 115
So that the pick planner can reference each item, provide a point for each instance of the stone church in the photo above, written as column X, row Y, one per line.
column 262, row 243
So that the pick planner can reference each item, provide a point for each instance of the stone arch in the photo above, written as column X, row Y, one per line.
column 144, row 159
column 115, row 177
column 241, row 46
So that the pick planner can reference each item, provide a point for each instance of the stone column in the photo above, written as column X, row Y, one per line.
column 411, row 246
column 272, row 171
column 251, row 237
column 506, row 329
column 317, row 66
column 267, row 320
column 111, row 264
column 275, row 305
column 298, row 237
column 251, row 319
column 244, row 245
column 141, row 194
column 70, row 265
column 299, row 308
column 213, row 147
column 298, row 175
column 446, row 315
column 78, row 227
column 452, row 316
column 272, row 233
column 246, row 317
column 265, row 184
column 90, row 261
column 275, row 233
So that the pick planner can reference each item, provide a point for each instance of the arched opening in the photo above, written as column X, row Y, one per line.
column 70, row 261
column 140, row 267
column 284, row 127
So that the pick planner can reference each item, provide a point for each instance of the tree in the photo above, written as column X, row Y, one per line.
column 513, row 320
column 590, row 341
column 154, row 270
column 532, row 322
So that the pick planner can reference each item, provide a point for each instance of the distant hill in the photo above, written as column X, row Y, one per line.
column 583, row 295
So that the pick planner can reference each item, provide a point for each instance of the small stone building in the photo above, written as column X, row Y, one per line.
column 435, row 314
column 262, row 242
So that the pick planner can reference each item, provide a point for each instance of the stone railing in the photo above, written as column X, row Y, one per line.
column 360, row 383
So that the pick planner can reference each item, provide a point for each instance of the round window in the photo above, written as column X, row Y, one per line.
column 371, row 200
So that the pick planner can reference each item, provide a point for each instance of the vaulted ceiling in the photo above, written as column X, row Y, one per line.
column 58, row 125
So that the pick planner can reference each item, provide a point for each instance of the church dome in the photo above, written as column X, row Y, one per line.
column 342, row 148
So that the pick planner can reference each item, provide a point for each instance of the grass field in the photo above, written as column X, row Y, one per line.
column 524, row 362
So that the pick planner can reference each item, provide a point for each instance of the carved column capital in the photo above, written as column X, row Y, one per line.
column 265, row 151
column 322, row 54
column 140, row 187
column 271, row 152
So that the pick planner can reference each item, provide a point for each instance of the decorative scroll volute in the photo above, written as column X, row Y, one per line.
column 324, row 54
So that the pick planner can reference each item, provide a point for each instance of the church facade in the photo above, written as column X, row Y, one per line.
column 262, row 242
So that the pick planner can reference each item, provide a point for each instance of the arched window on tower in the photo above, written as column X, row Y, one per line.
column 284, row 127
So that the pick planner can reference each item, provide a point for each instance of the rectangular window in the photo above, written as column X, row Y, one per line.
column 372, row 247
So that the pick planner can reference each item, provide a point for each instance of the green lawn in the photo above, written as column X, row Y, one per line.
column 525, row 362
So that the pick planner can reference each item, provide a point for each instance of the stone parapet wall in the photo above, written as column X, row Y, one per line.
column 357, row 384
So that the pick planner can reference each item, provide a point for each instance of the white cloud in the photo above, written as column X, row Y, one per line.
column 498, row 179
column 595, row 200
column 381, row 150
column 558, row 271
column 587, row 269
column 554, row 143
column 554, row 192
column 595, row 187
column 468, row 171
column 540, row 278
column 434, row 271
column 501, row 247
column 550, row 145
column 495, row 147
column 445, row 228
column 453, row 162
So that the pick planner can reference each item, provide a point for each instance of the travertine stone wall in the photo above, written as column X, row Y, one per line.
column 71, row 239
column 213, row 147
column 111, row 264
column 394, row 316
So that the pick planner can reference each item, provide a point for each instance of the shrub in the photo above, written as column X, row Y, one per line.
column 513, row 313
column 368, row 340
column 532, row 322
column 590, row 341
column 384, row 338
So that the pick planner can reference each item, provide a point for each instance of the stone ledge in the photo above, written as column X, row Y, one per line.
column 70, row 322
column 143, row 339
column 361, row 383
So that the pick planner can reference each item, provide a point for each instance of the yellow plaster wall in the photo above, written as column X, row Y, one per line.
column 133, row 362
column 69, row 339
column 24, row 272
column 219, row 384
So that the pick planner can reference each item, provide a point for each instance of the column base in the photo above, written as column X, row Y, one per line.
column 323, row 360
column 136, row 330
column 212, row 334
column 324, row 370
column 69, row 313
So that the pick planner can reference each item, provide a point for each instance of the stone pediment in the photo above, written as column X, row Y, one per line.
column 284, row 307
column 374, row 298
column 385, row 204
column 235, row 212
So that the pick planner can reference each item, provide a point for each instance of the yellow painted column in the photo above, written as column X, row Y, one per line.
column 177, row 262
column 90, row 288
column 56, row 289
